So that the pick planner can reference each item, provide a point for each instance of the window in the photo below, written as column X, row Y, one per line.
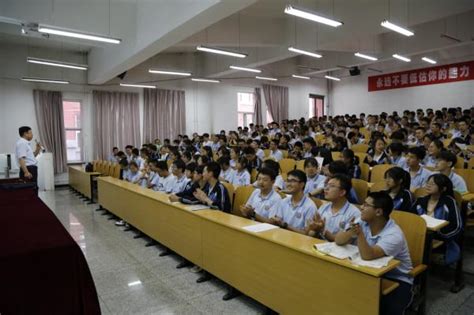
column 269, row 117
column 245, row 109
column 316, row 106
column 73, row 129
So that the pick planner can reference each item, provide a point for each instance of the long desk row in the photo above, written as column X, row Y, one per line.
column 81, row 181
column 277, row 267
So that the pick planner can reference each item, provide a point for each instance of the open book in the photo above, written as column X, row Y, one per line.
column 432, row 222
column 351, row 252
column 262, row 227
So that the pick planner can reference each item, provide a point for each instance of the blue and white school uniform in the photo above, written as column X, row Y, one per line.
column 179, row 184
column 277, row 155
column 316, row 182
column 241, row 178
column 296, row 216
column 340, row 220
column 420, row 178
column 264, row 205
column 228, row 174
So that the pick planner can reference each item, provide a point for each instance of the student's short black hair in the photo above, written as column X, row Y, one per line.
column 162, row 165
column 200, row 169
column 214, row 168
column 337, row 167
column 269, row 172
column 204, row 159
column 298, row 174
column 129, row 147
column 133, row 163
column 396, row 147
column 448, row 156
column 22, row 130
column 180, row 165
column 123, row 162
column 298, row 144
column 191, row 167
column 187, row 155
column 135, row 151
column 308, row 162
column 344, row 182
column 275, row 142
column 249, row 150
column 383, row 201
column 309, row 140
column 120, row 154
column 419, row 152
column 224, row 160
column 114, row 148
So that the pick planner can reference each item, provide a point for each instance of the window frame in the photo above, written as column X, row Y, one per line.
column 245, row 113
column 66, row 129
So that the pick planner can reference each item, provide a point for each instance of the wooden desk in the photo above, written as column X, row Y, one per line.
column 81, row 180
column 279, row 268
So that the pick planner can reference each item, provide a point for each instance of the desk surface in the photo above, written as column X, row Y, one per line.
column 81, row 169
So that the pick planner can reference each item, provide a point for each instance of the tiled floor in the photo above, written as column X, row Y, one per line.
column 132, row 279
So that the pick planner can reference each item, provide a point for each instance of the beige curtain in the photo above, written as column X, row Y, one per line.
column 258, row 106
column 116, row 121
column 164, row 114
column 277, row 101
column 50, row 119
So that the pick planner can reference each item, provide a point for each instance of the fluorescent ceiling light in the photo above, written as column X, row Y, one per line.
column 221, row 51
column 56, row 63
column 44, row 80
column 75, row 34
column 134, row 283
column 309, row 15
column 184, row 74
column 401, row 58
column 245, row 69
column 205, row 80
column 304, row 52
column 358, row 54
column 332, row 78
column 145, row 86
column 429, row 60
column 300, row 77
column 266, row 78
column 397, row 28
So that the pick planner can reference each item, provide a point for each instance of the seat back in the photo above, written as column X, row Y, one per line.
column 266, row 152
column 378, row 186
column 105, row 169
column 300, row 165
column 378, row 172
column 364, row 171
column 470, row 164
column 468, row 176
column 420, row 192
column 253, row 175
column 361, row 148
column 318, row 202
column 287, row 165
column 230, row 191
column 414, row 228
column 361, row 188
column 284, row 153
column 116, row 171
column 241, row 195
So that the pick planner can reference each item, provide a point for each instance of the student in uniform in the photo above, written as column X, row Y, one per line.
column 398, row 187
column 434, row 149
column 165, row 178
column 352, row 163
column 255, row 144
column 279, row 184
column 242, row 175
column 418, row 174
column 314, row 180
column 113, row 156
column 128, row 152
column 396, row 157
column 254, row 161
column 234, row 156
column 123, row 169
column 215, row 194
column 377, row 236
column 134, row 175
column 227, row 173
column 445, row 164
column 263, row 199
column 296, row 210
column 338, row 167
column 275, row 153
column 440, row 204
column 180, row 180
column 377, row 154
column 335, row 215
column 194, row 174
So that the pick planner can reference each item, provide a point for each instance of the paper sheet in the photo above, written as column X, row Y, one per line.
column 334, row 250
column 375, row 263
column 320, row 162
column 432, row 222
column 461, row 146
column 197, row 207
column 262, row 227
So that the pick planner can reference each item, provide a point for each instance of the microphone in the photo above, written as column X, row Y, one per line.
column 43, row 150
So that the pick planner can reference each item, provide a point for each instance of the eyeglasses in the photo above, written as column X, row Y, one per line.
column 293, row 181
column 331, row 186
column 365, row 204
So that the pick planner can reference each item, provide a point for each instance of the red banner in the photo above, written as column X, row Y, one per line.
column 440, row 74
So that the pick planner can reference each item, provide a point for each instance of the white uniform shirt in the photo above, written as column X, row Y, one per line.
column 23, row 150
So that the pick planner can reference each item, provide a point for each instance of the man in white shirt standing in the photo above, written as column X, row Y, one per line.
column 26, row 156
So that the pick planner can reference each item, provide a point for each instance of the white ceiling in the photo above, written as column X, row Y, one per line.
column 165, row 33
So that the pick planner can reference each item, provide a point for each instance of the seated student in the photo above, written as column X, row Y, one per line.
column 164, row 181
column 377, row 154
column 440, row 204
column 275, row 153
column 113, row 156
column 255, row 144
column 434, row 149
column 352, row 163
column 137, row 158
column 335, row 215
column 436, row 133
column 133, row 175
column 338, row 167
column 464, row 135
column 419, row 175
column 187, row 157
column 264, row 199
column 195, row 180
column 309, row 148
column 253, row 160
column 234, row 156
column 180, row 180
column 396, row 157
column 297, row 153
column 445, row 164
column 294, row 211
column 124, row 169
column 202, row 160
column 242, row 174
column 128, row 152
column 215, row 194
column 377, row 235
column 314, row 180
column 227, row 173
column 398, row 187
column 279, row 184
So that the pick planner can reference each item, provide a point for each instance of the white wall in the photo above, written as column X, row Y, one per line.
column 351, row 96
